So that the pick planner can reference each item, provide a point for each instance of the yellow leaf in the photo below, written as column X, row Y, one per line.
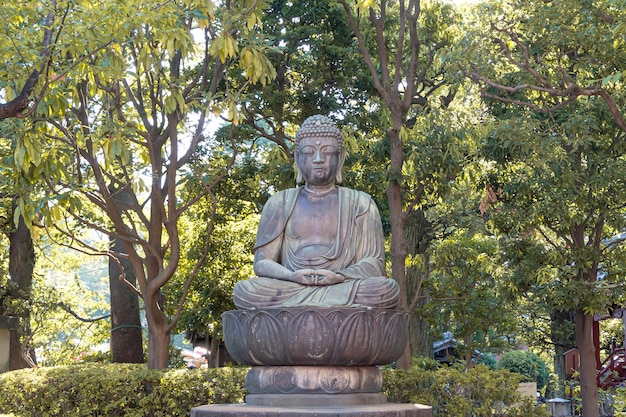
column 246, row 58
column 55, row 213
column 251, row 21
column 171, row 47
column 180, row 101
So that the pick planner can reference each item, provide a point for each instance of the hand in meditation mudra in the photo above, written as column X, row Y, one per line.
column 319, row 245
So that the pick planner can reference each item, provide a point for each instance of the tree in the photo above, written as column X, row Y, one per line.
column 563, row 70
column 18, row 292
column 23, row 71
column 129, row 101
column 231, row 222
column 528, row 364
column 559, row 150
column 318, row 71
column 403, row 47
column 18, row 85
column 21, row 255
column 34, row 34
column 547, row 329
column 468, row 287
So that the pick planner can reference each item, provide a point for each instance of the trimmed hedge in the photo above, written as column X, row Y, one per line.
column 135, row 391
column 117, row 390
column 477, row 392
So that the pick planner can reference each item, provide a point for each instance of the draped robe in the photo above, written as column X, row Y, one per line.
column 357, row 253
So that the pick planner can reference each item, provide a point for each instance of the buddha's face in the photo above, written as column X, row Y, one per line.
column 318, row 160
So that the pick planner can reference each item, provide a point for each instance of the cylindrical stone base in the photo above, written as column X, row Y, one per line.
column 314, row 379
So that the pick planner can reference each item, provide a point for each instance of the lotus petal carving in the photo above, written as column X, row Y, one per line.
column 310, row 337
column 315, row 336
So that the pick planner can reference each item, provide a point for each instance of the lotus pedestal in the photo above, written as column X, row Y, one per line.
column 314, row 362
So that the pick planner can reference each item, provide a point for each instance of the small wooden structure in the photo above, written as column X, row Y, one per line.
column 444, row 350
column 572, row 361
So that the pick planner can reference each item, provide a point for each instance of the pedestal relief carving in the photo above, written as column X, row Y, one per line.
column 313, row 379
column 315, row 336
column 334, row 380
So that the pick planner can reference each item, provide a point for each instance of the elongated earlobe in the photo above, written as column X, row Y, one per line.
column 342, row 159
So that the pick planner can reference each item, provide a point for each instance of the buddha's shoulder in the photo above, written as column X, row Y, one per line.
column 283, row 196
column 361, row 196
column 286, row 193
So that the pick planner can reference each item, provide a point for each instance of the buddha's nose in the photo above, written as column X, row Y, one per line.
column 318, row 158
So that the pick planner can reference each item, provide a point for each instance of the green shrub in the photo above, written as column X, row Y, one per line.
column 478, row 392
column 135, row 391
column 116, row 390
column 528, row 364
column 489, row 360
column 619, row 403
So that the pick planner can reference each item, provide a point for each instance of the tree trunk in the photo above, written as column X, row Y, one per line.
column 159, row 330
column 417, row 238
column 126, row 332
column 588, row 383
column 563, row 338
column 398, row 222
column 158, row 343
column 419, row 332
column 21, row 266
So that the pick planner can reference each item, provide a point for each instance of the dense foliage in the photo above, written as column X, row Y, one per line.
column 110, row 141
column 527, row 364
column 555, row 155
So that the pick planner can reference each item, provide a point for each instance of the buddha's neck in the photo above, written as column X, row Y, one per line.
column 319, row 190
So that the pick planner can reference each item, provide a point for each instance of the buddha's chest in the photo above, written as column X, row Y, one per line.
column 314, row 221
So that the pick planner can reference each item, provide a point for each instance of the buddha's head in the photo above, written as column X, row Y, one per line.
column 319, row 151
